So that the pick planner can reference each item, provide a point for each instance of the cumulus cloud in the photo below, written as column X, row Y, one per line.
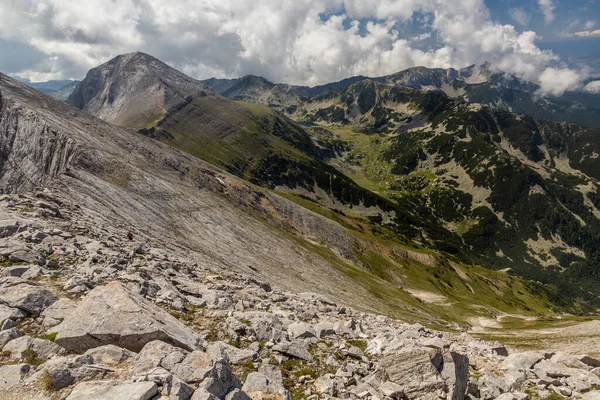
column 556, row 81
column 547, row 7
column 301, row 42
column 520, row 16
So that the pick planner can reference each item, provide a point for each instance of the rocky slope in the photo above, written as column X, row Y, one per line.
column 88, row 314
column 225, row 290
column 401, row 160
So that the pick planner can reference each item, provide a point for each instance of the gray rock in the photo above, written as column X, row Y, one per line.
column 65, row 371
column 568, row 360
column 506, row 396
column 356, row 353
column 237, row 394
column 110, row 355
column 112, row 314
column 58, row 311
column 194, row 368
column 591, row 395
column 17, row 270
column 327, row 384
column 233, row 354
column 157, row 354
column 455, row 371
column 11, row 227
column 590, row 361
column 324, row 329
column 390, row 389
column 12, row 375
column 295, row 349
column 201, row 394
column 113, row 390
column 219, row 379
column 43, row 349
column 301, row 330
column 522, row 361
column 414, row 370
column 25, row 296
column 179, row 390
column 9, row 334
column 258, row 385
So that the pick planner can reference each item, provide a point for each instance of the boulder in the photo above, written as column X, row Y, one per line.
column 219, row 379
column 259, row 386
column 237, row 394
column 392, row 390
column 12, row 375
column 295, row 349
column 355, row 352
column 65, row 371
column 157, row 354
column 42, row 349
column 24, row 295
column 233, row 354
column 590, row 361
column 324, row 329
column 425, row 372
column 9, row 334
column 522, row 361
column 110, row 355
column 113, row 314
column 301, row 330
column 113, row 390
column 194, row 368
column 327, row 384
column 58, row 311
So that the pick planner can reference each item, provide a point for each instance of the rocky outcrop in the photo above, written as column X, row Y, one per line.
column 115, row 315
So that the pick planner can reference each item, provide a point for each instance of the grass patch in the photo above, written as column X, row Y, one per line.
column 51, row 336
column 30, row 357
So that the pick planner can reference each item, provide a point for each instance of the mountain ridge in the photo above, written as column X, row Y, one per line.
column 476, row 83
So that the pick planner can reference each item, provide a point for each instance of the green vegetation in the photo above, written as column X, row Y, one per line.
column 51, row 336
column 30, row 357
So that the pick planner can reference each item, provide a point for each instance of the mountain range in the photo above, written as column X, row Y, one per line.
column 404, row 158
column 385, row 193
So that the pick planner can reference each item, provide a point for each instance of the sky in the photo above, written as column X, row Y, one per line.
column 307, row 42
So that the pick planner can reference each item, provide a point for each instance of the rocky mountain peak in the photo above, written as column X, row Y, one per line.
column 134, row 90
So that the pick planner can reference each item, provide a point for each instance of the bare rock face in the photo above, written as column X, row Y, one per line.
column 133, row 90
column 25, row 296
column 427, row 373
column 112, row 314
column 113, row 390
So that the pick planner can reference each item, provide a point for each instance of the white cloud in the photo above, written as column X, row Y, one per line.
column 592, row 87
column 556, row 81
column 547, row 7
column 589, row 25
column 586, row 34
column 302, row 42
column 520, row 16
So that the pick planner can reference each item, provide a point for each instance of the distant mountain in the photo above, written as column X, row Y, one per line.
column 134, row 90
column 406, row 153
column 254, row 142
column 60, row 89
column 476, row 84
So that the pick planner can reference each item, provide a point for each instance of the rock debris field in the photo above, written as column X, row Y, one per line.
column 86, row 314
